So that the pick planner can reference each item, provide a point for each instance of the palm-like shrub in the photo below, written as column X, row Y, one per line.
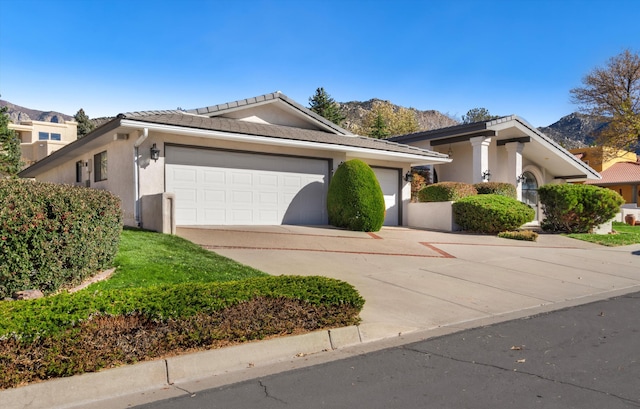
column 355, row 200
column 491, row 214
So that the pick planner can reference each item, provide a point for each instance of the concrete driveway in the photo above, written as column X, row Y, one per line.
column 416, row 280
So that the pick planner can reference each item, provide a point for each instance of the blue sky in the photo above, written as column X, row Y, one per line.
column 511, row 57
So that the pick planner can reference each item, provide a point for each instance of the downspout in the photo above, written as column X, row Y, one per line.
column 144, row 134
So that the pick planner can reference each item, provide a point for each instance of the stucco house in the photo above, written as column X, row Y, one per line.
column 506, row 149
column 264, row 160
column 39, row 139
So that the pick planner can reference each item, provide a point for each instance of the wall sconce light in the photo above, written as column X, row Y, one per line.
column 155, row 152
column 450, row 151
column 408, row 176
column 521, row 178
column 486, row 175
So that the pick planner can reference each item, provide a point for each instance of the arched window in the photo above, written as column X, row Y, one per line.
column 530, row 192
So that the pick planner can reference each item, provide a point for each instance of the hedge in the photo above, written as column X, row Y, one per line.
column 577, row 208
column 446, row 192
column 355, row 200
column 491, row 214
column 52, row 236
column 496, row 188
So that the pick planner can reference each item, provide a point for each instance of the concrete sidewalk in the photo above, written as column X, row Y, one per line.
column 417, row 284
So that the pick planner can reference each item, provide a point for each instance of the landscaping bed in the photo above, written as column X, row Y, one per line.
column 170, row 305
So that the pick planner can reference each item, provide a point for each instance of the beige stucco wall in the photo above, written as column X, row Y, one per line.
column 271, row 113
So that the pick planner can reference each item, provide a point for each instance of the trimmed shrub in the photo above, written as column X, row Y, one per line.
column 446, row 192
column 526, row 235
column 496, row 188
column 577, row 208
column 355, row 200
column 53, row 236
column 491, row 214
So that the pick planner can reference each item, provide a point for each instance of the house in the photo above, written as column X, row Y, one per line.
column 620, row 171
column 39, row 139
column 506, row 149
column 265, row 160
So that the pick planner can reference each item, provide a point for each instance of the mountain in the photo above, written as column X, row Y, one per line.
column 18, row 114
column 356, row 111
column 574, row 130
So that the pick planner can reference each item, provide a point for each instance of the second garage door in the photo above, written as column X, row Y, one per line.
column 236, row 188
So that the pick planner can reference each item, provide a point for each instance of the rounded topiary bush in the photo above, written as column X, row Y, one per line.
column 577, row 208
column 446, row 192
column 491, row 214
column 496, row 188
column 355, row 200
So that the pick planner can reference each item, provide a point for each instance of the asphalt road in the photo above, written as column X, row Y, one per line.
column 582, row 357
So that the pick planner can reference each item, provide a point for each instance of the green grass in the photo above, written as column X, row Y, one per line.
column 624, row 235
column 148, row 259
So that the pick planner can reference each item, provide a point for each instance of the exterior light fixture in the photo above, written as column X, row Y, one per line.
column 450, row 151
column 408, row 176
column 486, row 175
column 155, row 152
column 521, row 178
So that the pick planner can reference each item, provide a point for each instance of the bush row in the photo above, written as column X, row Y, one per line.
column 54, row 235
column 452, row 191
column 30, row 319
column 491, row 214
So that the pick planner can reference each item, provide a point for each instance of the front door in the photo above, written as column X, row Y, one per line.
column 530, row 192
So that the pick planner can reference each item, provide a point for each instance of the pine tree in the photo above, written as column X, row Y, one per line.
column 10, row 163
column 85, row 125
column 379, row 128
column 322, row 104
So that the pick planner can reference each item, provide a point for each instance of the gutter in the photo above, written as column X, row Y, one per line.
column 136, row 173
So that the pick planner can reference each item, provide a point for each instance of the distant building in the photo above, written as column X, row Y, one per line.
column 620, row 171
column 39, row 139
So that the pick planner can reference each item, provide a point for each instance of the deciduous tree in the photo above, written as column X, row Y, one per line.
column 322, row 104
column 10, row 163
column 612, row 93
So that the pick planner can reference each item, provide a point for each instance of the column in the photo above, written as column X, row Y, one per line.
column 480, row 157
column 514, row 164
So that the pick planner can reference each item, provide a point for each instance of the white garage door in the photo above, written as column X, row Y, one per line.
column 389, row 180
column 224, row 188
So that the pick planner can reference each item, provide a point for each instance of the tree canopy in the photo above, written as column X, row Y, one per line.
column 612, row 92
column 478, row 115
column 386, row 120
column 322, row 104
column 10, row 163
column 85, row 125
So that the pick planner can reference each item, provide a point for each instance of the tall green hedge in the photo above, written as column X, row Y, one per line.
column 491, row 214
column 577, row 208
column 355, row 200
column 53, row 236
column 446, row 192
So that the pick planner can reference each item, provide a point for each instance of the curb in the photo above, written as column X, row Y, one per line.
column 91, row 387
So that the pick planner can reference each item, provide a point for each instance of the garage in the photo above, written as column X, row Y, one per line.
column 389, row 180
column 216, row 187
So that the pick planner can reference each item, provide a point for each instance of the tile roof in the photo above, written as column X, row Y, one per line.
column 221, row 108
column 188, row 120
column 618, row 174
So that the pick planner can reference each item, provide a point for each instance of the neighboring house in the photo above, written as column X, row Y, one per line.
column 620, row 170
column 506, row 149
column 39, row 139
column 259, row 161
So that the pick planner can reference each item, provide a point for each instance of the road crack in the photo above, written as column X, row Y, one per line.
column 268, row 395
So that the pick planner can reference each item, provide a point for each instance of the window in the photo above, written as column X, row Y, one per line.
column 43, row 136
column 55, row 137
column 79, row 171
column 100, row 166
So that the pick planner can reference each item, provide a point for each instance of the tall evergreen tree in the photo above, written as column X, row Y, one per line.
column 10, row 163
column 379, row 128
column 477, row 115
column 85, row 125
column 322, row 104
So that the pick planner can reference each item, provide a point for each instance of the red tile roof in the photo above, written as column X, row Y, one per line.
column 619, row 174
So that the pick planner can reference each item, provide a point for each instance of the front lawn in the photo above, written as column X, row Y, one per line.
column 168, row 296
column 623, row 235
